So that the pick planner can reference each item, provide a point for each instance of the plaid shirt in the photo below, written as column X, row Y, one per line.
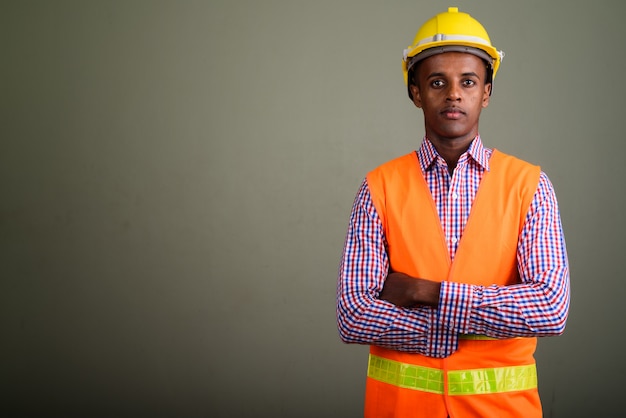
column 536, row 307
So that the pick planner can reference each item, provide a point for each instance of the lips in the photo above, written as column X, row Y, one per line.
column 452, row 113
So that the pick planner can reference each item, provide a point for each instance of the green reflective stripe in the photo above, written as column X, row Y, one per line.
column 406, row 376
column 483, row 337
column 496, row 380
column 460, row 382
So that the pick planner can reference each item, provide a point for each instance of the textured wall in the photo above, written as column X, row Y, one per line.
column 176, row 179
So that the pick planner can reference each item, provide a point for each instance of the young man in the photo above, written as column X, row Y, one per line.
column 454, row 260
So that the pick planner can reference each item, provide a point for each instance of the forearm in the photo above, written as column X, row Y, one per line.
column 377, row 322
column 399, row 318
column 523, row 310
column 498, row 311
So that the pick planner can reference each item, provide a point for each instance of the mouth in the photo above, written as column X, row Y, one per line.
column 452, row 113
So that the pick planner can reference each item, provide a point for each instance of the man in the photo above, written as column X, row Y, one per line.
column 454, row 260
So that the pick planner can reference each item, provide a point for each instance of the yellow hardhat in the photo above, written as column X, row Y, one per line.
column 451, row 31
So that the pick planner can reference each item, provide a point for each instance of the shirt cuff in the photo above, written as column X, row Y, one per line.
column 455, row 306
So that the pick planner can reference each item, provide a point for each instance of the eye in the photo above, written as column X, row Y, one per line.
column 437, row 83
column 469, row 83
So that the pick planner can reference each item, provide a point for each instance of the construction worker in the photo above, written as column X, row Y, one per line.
column 454, row 261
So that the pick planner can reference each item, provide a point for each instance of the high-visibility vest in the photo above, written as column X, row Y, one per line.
column 484, row 377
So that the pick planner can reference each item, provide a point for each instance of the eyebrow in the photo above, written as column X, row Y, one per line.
column 468, row 74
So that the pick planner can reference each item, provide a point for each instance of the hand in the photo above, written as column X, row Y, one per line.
column 407, row 292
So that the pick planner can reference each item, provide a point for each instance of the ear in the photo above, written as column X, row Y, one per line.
column 486, row 95
column 415, row 92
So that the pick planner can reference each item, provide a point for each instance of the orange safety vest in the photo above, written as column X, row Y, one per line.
column 485, row 377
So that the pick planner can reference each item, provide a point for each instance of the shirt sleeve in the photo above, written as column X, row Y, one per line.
column 362, row 317
column 536, row 307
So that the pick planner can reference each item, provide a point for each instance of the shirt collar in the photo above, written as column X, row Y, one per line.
column 427, row 154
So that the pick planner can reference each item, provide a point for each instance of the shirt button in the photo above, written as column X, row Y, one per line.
column 454, row 240
column 455, row 196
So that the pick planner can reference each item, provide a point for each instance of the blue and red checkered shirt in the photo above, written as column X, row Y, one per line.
column 538, row 306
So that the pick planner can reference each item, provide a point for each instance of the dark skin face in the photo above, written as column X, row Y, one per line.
column 451, row 90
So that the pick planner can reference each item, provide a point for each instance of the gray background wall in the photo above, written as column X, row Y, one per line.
column 176, row 179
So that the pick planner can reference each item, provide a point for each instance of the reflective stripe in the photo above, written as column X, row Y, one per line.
column 475, row 337
column 484, row 337
column 460, row 382
column 496, row 380
column 404, row 375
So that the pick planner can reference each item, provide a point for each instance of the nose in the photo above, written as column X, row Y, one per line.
column 454, row 92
